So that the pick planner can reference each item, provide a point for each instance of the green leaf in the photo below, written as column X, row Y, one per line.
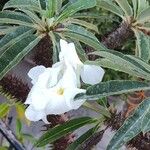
column 13, row 37
column 15, row 15
column 125, row 7
column 51, row 8
column 29, row 4
column 98, row 108
column 143, row 45
column 35, row 18
column 142, row 5
column 125, row 63
column 110, row 6
column 76, row 144
column 14, row 54
column 75, row 7
column 61, row 130
column 81, row 34
column 114, row 87
column 131, row 127
column 11, row 17
column 144, row 16
column 135, row 7
column 80, row 51
column 4, row 109
column 18, row 128
column 42, row 4
column 56, row 46
column 4, row 148
column 89, row 15
column 83, row 23
column 7, row 29
column 146, row 119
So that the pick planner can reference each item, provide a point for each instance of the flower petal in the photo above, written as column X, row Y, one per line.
column 69, row 78
column 38, row 98
column 34, row 115
column 91, row 74
column 69, row 97
column 35, row 72
column 69, row 54
column 57, row 105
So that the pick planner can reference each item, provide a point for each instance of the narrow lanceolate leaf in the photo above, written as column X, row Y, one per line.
column 29, row 4
column 13, row 37
column 114, row 87
column 131, row 127
column 15, row 15
column 142, row 5
column 110, row 6
column 125, row 63
column 35, row 18
column 76, row 145
column 125, row 7
column 135, row 7
column 81, row 53
column 83, row 23
column 75, row 7
column 6, row 30
column 53, row 6
column 143, row 45
column 146, row 119
column 81, row 34
column 61, row 130
column 11, row 17
column 13, row 55
column 4, row 108
column 144, row 16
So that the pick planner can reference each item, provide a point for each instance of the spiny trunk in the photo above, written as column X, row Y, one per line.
column 118, row 37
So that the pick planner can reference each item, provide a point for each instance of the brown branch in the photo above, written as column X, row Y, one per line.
column 8, row 134
column 118, row 37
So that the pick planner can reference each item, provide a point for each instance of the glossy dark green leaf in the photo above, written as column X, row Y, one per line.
column 144, row 16
column 77, row 143
column 18, row 18
column 7, row 29
column 124, row 4
column 30, row 4
column 114, row 87
column 110, row 6
column 81, row 34
column 14, row 54
column 61, row 130
column 11, row 38
column 125, row 63
column 131, row 127
column 146, row 119
column 143, row 45
column 75, row 7
column 83, row 23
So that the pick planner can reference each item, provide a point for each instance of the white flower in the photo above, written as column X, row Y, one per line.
column 52, row 92
column 90, row 74
column 54, row 88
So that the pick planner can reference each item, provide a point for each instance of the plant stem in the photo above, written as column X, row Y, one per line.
column 118, row 37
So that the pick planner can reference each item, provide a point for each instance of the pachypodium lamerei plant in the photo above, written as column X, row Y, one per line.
column 60, row 89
